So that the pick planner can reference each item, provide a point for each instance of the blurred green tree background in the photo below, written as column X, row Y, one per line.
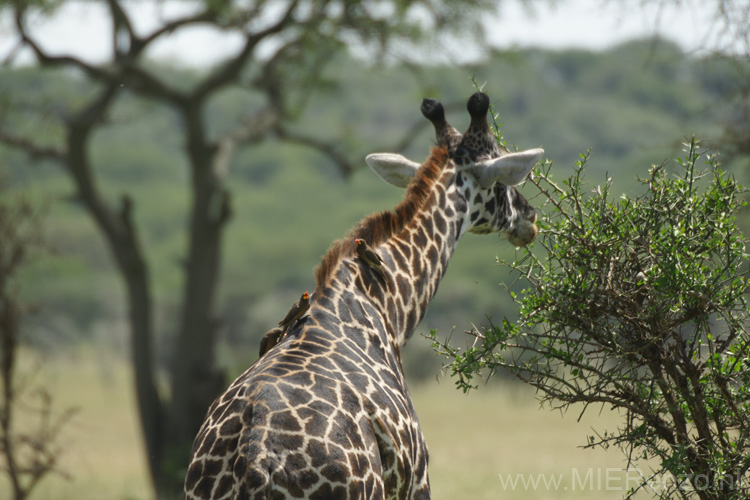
column 630, row 105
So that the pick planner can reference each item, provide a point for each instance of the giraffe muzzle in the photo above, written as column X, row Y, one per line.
column 524, row 233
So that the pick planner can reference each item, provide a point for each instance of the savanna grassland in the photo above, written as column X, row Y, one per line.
column 498, row 429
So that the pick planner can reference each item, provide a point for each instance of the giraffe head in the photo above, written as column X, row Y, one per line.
column 484, row 172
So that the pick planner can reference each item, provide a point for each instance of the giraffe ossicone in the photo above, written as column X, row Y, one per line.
column 327, row 413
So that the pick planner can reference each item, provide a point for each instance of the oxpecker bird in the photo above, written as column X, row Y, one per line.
column 369, row 257
column 296, row 312
column 270, row 339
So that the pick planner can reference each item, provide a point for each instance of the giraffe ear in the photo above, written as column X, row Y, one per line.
column 393, row 168
column 510, row 169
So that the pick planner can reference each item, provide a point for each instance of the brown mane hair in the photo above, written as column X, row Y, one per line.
column 379, row 227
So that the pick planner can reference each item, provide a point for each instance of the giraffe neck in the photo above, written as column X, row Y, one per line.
column 415, row 259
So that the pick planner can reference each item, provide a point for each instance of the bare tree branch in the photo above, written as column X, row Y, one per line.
column 120, row 22
column 252, row 130
column 206, row 16
column 28, row 455
column 231, row 70
column 48, row 60
column 327, row 148
column 34, row 150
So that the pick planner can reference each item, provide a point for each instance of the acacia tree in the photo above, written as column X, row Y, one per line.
column 298, row 38
column 639, row 304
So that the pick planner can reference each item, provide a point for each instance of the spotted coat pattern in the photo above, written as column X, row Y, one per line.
column 327, row 414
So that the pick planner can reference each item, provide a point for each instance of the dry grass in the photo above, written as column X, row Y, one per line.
column 102, row 455
column 472, row 439
column 500, row 429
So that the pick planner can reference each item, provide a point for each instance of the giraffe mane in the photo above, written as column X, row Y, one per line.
column 377, row 228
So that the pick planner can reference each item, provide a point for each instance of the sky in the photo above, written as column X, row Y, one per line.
column 598, row 24
column 81, row 28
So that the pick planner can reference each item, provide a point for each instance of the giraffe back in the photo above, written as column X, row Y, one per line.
column 326, row 416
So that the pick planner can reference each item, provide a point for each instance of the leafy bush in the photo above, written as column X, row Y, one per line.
column 639, row 304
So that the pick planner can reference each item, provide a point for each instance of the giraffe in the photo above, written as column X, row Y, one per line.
column 327, row 413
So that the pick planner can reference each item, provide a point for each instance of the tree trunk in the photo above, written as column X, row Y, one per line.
column 195, row 379
column 122, row 240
